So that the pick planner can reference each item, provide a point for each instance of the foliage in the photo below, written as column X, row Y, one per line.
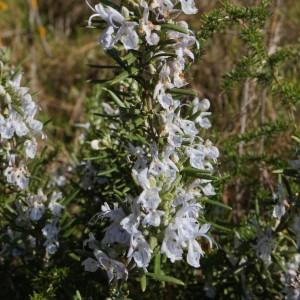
column 247, row 64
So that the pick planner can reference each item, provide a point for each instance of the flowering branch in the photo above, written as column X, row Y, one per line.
column 19, row 133
column 172, row 165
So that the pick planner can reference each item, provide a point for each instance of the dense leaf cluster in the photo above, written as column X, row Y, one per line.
column 254, row 215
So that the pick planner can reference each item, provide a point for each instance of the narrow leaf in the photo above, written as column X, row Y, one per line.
column 143, row 283
column 174, row 27
column 165, row 278
column 114, row 97
column 216, row 203
column 157, row 264
column 199, row 173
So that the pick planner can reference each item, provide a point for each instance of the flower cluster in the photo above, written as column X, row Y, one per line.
column 167, row 170
column 40, row 212
column 19, row 130
column 18, row 126
column 291, row 279
column 38, row 205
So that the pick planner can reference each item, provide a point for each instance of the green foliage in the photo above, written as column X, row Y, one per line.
column 254, row 162
column 48, row 282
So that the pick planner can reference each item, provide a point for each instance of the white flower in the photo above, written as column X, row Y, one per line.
column 263, row 245
column 107, row 37
column 184, row 41
column 30, row 148
column 188, row 7
column 114, row 233
column 50, row 231
column 278, row 211
column 36, row 207
column 194, row 253
column 106, row 13
column 164, row 169
column 17, row 127
column 164, row 77
column 281, row 198
column 113, row 268
column 28, row 106
column 175, row 136
column 183, row 196
column 36, row 126
column 139, row 250
column 202, row 232
column 188, row 127
column 6, row 128
column 186, row 227
column 16, row 82
column 200, row 108
column 174, row 132
column 146, row 26
column 55, row 207
column 17, row 176
column 157, row 167
column 196, row 158
column 91, row 265
column 183, row 232
column 177, row 70
column 132, row 221
column 194, row 249
column 208, row 190
column 149, row 198
column 202, row 105
column 127, row 35
column 165, row 99
column 153, row 218
column 95, row 144
column 142, row 178
column 171, row 245
column 203, row 121
column 290, row 279
column 37, row 211
column 18, row 123
column 118, row 28
column 200, row 157
column 116, row 214
column 91, row 242
column 211, row 151
column 51, row 247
